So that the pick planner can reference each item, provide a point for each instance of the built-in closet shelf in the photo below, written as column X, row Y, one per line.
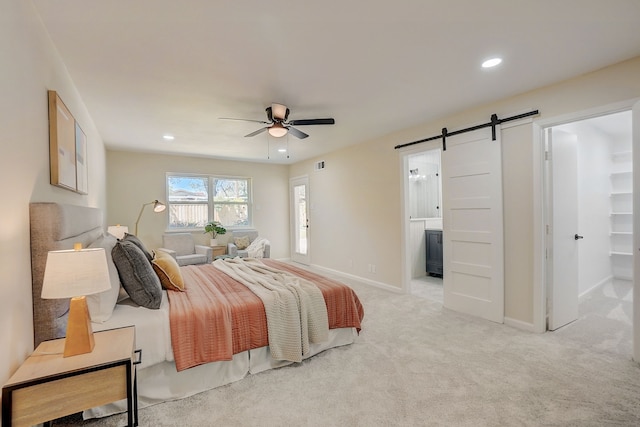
column 622, row 154
column 617, row 253
column 621, row 210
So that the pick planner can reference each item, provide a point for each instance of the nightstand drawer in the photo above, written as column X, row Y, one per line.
column 49, row 386
column 54, row 399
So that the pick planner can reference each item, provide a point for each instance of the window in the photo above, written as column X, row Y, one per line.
column 194, row 200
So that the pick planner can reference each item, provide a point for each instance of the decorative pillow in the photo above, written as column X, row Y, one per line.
column 242, row 242
column 168, row 271
column 101, row 305
column 137, row 275
column 133, row 239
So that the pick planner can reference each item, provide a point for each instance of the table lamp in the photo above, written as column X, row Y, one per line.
column 74, row 274
column 118, row 230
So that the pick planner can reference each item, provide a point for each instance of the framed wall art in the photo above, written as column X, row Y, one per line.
column 67, row 148
column 81, row 161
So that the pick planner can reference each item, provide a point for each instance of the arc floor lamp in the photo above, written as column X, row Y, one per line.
column 157, row 207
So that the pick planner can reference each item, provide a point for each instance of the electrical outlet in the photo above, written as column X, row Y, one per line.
column 373, row 268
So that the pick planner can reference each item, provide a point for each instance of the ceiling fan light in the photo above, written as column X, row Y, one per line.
column 280, row 111
column 277, row 130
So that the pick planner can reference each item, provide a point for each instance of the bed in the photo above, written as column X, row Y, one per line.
column 165, row 372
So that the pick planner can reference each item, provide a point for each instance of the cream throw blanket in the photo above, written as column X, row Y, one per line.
column 295, row 308
column 256, row 248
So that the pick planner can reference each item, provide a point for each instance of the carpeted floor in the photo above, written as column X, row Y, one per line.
column 417, row 364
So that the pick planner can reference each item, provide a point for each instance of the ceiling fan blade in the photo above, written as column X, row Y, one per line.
column 257, row 132
column 244, row 120
column 298, row 134
column 307, row 122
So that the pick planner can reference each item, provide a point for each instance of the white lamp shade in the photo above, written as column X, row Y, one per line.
column 158, row 207
column 72, row 273
column 117, row 230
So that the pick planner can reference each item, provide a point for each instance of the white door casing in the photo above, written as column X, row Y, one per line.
column 473, row 225
column 636, row 228
column 299, row 201
column 562, row 228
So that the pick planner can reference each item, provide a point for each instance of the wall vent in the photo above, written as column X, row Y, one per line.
column 320, row 165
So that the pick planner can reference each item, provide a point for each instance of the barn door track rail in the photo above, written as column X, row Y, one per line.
column 495, row 121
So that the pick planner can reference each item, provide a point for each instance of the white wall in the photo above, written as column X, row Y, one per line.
column 357, row 198
column 30, row 65
column 137, row 178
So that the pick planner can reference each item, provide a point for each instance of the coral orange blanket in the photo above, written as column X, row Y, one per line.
column 218, row 317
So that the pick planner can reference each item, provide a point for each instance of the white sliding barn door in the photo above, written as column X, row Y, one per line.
column 473, row 225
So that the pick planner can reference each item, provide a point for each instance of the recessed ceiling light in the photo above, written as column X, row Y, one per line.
column 169, row 137
column 282, row 150
column 491, row 62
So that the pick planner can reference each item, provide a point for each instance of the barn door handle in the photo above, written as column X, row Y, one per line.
column 578, row 237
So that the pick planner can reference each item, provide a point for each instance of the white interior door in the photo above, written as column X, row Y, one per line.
column 299, row 200
column 563, row 228
column 473, row 225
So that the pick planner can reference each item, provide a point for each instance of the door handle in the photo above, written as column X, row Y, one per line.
column 578, row 237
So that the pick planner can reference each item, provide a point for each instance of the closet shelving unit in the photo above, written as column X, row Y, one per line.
column 622, row 215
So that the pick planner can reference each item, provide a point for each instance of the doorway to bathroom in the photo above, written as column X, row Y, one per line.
column 424, row 187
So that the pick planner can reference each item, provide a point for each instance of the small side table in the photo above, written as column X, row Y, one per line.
column 219, row 250
column 48, row 386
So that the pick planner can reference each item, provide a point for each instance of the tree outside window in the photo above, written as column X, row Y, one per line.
column 191, row 203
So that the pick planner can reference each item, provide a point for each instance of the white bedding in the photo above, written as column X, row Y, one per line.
column 162, row 383
column 153, row 334
column 158, row 379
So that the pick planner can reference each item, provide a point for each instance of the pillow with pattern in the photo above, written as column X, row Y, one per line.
column 242, row 242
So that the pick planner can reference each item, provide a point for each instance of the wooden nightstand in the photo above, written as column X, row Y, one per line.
column 219, row 250
column 48, row 386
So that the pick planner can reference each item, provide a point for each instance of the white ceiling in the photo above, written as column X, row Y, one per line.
column 149, row 67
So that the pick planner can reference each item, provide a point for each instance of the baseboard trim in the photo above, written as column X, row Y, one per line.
column 373, row 283
column 596, row 286
column 519, row 324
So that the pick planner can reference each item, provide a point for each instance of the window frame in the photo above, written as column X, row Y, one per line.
column 211, row 181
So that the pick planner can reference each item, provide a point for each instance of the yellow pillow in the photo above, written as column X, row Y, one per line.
column 242, row 242
column 168, row 272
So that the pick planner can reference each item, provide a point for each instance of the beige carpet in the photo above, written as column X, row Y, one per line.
column 416, row 364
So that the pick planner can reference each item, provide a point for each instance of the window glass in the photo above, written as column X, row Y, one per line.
column 231, row 201
column 192, row 205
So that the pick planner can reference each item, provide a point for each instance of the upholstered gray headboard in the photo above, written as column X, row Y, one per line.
column 54, row 227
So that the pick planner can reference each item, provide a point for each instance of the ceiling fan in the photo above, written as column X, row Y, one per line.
column 277, row 115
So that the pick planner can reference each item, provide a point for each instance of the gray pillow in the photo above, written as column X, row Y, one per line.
column 137, row 275
column 134, row 239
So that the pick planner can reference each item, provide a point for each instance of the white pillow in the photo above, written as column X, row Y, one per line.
column 101, row 305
